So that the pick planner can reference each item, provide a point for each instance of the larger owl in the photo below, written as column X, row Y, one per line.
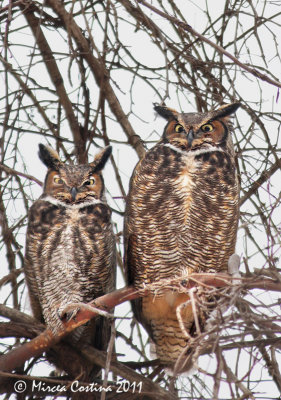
column 70, row 246
column 181, row 217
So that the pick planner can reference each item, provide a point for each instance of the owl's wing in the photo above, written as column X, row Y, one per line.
column 32, row 289
column 130, row 263
column 31, row 268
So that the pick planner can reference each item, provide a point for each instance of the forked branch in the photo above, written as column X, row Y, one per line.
column 47, row 339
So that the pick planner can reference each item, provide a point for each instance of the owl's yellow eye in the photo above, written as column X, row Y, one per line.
column 207, row 128
column 179, row 128
column 58, row 180
column 89, row 182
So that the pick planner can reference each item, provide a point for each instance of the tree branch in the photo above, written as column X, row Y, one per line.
column 46, row 339
column 30, row 94
column 265, row 175
column 10, row 171
column 218, row 48
column 57, row 80
column 100, row 73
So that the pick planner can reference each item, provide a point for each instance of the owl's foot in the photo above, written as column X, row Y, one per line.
column 68, row 313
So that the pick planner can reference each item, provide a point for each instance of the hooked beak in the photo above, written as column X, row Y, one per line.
column 73, row 192
column 190, row 136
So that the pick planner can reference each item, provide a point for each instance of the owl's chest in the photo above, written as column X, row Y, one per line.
column 49, row 217
column 160, row 173
column 187, row 171
column 168, row 184
column 161, row 188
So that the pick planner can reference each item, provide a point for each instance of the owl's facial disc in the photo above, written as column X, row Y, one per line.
column 86, row 189
column 214, row 131
column 179, row 135
column 70, row 188
column 186, row 136
column 188, row 133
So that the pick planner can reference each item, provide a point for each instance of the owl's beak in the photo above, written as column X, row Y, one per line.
column 190, row 136
column 73, row 192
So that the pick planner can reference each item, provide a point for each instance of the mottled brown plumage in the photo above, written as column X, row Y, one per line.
column 70, row 246
column 181, row 217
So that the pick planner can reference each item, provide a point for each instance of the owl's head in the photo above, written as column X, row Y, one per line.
column 190, row 131
column 73, row 183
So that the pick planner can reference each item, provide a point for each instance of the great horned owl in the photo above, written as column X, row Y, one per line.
column 70, row 246
column 181, row 217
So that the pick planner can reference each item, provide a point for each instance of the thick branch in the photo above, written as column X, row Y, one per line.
column 46, row 339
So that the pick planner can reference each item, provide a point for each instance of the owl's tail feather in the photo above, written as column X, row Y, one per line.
column 172, row 347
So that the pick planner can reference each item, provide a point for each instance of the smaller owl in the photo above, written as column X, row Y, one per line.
column 70, row 245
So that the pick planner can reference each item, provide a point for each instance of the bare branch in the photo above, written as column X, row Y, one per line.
column 11, row 171
column 57, row 79
column 100, row 73
column 220, row 49
column 45, row 340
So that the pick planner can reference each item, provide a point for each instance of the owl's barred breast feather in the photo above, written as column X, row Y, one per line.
column 174, row 215
column 181, row 217
column 76, row 258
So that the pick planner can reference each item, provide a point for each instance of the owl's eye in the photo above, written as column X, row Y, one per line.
column 58, row 180
column 89, row 182
column 207, row 128
column 179, row 128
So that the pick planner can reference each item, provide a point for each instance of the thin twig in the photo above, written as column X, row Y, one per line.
column 219, row 49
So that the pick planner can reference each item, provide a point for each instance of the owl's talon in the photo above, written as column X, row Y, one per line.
column 68, row 316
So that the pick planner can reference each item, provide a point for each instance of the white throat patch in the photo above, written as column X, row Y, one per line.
column 57, row 202
column 194, row 152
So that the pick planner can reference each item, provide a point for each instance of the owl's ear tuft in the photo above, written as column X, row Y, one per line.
column 165, row 112
column 49, row 157
column 226, row 110
column 101, row 159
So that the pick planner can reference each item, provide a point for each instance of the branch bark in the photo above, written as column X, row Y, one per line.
column 46, row 339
